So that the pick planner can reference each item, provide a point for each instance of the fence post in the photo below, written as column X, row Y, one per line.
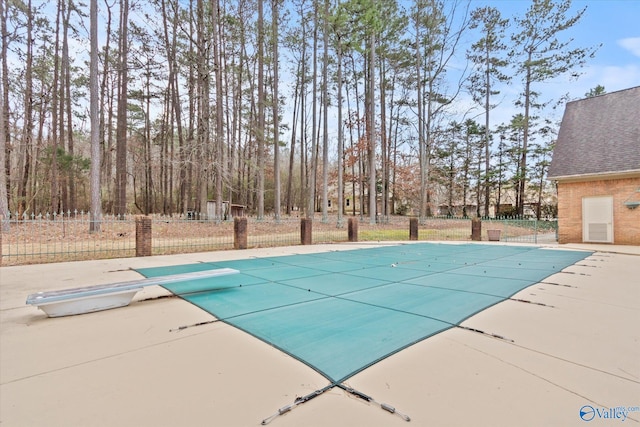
column 240, row 232
column 143, row 235
column 353, row 229
column 305, row 231
column 476, row 229
column 413, row 228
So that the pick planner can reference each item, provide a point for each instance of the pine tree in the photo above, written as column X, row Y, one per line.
column 488, row 56
column 540, row 55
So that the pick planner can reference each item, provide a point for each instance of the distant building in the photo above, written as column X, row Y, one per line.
column 596, row 165
column 229, row 210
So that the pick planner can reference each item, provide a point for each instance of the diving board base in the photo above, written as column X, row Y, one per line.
column 88, row 304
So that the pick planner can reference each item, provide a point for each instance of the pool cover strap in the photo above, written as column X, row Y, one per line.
column 370, row 399
column 300, row 400
column 296, row 402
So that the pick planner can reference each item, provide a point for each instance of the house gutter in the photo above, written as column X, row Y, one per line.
column 596, row 176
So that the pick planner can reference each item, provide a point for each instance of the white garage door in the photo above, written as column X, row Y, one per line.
column 597, row 219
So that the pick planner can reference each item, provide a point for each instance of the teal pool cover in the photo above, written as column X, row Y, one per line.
column 340, row 312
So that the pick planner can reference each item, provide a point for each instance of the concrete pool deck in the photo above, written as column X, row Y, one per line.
column 132, row 367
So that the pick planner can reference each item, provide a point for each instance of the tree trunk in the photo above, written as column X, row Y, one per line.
column 148, row 164
column 55, row 115
column 261, row 131
column 304, row 177
column 65, row 105
column 276, row 118
column 294, row 126
column 525, row 138
column 371, row 119
column 5, row 134
column 94, row 116
column 325, row 113
column 24, row 149
column 175, row 106
column 383, row 144
column 203, row 116
column 422, row 156
column 121, row 135
column 105, row 129
column 314, row 119
column 219, row 139
column 487, row 152
column 340, row 139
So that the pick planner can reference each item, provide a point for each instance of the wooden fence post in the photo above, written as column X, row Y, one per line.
column 240, row 233
column 353, row 229
column 305, row 231
column 413, row 228
column 143, row 236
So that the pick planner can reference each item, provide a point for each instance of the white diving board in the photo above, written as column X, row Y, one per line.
column 88, row 299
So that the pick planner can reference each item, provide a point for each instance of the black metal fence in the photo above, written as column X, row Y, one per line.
column 58, row 237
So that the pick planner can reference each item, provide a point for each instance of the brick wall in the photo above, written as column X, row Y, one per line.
column 143, row 236
column 626, row 222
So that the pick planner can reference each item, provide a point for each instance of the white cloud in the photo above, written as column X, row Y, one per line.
column 612, row 77
column 617, row 78
column 632, row 44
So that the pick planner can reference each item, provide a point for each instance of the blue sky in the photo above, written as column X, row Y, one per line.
column 614, row 24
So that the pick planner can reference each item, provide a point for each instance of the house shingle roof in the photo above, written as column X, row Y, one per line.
column 599, row 135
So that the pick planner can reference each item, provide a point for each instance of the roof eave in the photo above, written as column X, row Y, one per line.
column 596, row 176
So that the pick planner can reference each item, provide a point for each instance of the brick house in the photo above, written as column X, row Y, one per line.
column 596, row 166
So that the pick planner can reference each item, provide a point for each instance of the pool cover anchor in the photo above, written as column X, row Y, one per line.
column 488, row 334
column 370, row 399
column 300, row 400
